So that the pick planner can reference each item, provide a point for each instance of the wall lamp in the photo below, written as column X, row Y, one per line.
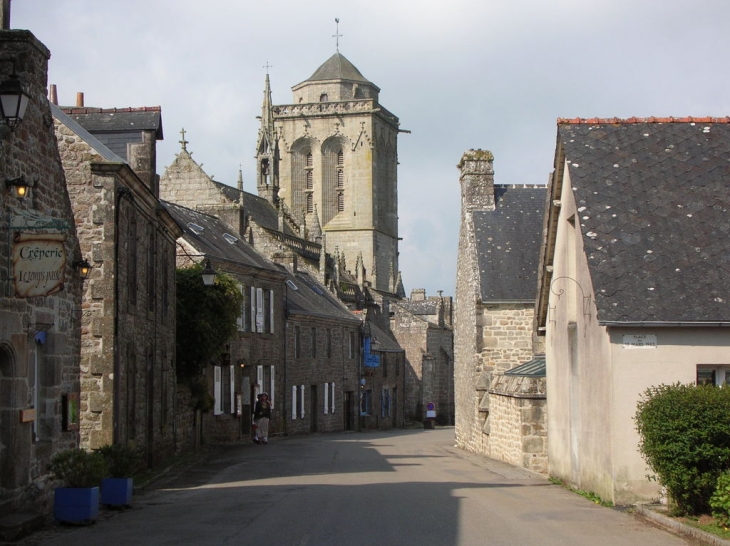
column 208, row 274
column 13, row 100
column 18, row 186
column 83, row 267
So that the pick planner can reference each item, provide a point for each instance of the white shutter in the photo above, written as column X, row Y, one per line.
column 326, row 398
column 301, row 401
column 294, row 403
column 253, row 309
column 217, row 390
column 271, row 311
column 259, row 310
column 271, row 385
column 332, row 397
column 232, row 387
column 259, row 379
column 241, row 320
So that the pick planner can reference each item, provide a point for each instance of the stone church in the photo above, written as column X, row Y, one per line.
column 326, row 181
column 331, row 158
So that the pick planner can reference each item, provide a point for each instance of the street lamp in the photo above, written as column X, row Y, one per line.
column 208, row 274
column 13, row 100
column 18, row 186
column 83, row 267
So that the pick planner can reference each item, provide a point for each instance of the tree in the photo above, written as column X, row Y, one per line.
column 685, row 439
column 206, row 318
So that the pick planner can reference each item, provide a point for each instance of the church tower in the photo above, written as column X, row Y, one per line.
column 338, row 161
column 267, row 151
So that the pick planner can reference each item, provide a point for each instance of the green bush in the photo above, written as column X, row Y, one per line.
column 122, row 460
column 79, row 468
column 685, row 438
column 720, row 500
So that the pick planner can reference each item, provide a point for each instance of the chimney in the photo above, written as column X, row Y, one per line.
column 286, row 258
column 79, row 100
column 53, row 94
column 477, row 180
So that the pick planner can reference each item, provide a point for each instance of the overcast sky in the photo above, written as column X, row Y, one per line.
column 460, row 74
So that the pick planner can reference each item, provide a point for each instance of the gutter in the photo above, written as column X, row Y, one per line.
column 665, row 324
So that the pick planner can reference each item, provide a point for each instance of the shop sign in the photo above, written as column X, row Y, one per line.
column 39, row 263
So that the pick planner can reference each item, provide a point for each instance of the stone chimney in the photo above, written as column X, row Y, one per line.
column 79, row 100
column 142, row 157
column 477, row 180
column 286, row 258
column 53, row 94
column 418, row 294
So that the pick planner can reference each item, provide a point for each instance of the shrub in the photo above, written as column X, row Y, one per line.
column 79, row 468
column 122, row 460
column 685, row 438
column 720, row 500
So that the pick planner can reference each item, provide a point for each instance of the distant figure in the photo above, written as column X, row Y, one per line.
column 261, row 416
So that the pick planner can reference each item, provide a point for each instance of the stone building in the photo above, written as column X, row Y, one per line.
column 252, row 361
column 332, row 157
column 423, row 327
column 633, row 288
column 315, row 354
column 40, row 294
column 128, row 319
column 500, row 405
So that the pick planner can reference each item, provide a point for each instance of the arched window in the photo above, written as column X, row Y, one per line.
column 302, row 175
column 333, row 179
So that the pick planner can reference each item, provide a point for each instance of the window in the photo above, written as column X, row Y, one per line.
column 340, row 201
column 712, row 374
column 313, row 350
column 241, row 321
column 310, row 203
column 271, row 311
column 224, row 387
column 329, row 398
column 297, row 402
column 329, row 343
column 366, row 402
column 272, row 385
column 323, row 97
column 352, row 346
column 309, row 175
column 385, row 403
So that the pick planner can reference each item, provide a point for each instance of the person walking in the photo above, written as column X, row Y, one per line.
column 261, row 416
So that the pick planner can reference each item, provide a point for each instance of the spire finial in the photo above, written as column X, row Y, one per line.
column 183, row 142
column 337, row 34
column 267, row 66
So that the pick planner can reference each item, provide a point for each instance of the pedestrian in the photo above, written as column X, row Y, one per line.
column 261, row 416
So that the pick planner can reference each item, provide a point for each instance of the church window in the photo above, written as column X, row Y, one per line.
column 302, row 176
column 340, row 202
column 310, row 203
column 323, row 97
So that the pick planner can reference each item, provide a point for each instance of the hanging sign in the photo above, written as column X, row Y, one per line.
column 39, row 263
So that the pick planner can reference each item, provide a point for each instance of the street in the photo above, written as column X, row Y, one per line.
column 407, row 487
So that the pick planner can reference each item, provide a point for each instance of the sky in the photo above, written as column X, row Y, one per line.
column 460, row 75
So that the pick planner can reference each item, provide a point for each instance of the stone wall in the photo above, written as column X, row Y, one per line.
column 39, row 335
column 128, row 318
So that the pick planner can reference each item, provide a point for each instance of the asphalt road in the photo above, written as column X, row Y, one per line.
column 397, row 488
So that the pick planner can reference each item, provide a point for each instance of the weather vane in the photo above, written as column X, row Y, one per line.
column 337, row 34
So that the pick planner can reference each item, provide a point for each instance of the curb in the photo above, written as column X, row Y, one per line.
column 679, row 527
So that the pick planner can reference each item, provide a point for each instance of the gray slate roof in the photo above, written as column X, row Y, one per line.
column 313, row 299
column 425, row 307
column 87, row 137
column 653, row 200
column 115, row 120
column 337, row 67
column 508, row 243
column 211, row 241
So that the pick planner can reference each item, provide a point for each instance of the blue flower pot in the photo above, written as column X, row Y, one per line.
column 117, row 491
column 76, row 504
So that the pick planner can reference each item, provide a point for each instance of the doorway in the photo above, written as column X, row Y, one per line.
column 347, row 410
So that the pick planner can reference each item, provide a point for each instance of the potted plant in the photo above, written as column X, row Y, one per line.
column 81, row 471
column 122, row 461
